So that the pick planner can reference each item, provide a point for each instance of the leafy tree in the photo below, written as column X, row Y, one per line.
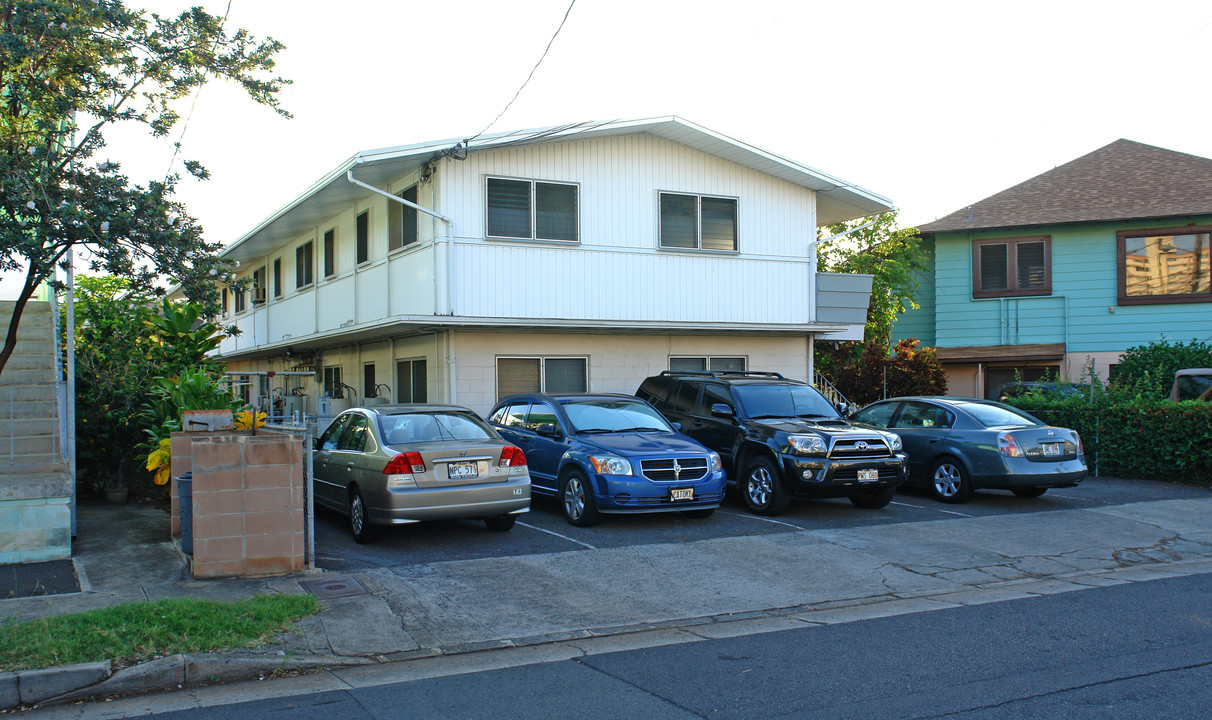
column 68, row 71
column 893, row 256
column 866, row 372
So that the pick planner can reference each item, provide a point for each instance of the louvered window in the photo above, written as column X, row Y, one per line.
column 1007, row 267
column 532, row 210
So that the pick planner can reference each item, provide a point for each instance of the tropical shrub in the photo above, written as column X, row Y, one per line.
column 1148, row 370
column 866, row 372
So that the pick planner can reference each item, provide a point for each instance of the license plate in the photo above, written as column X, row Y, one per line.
column 681, row 494
column 1051, row 449
column 868, row 475
column 462, row 470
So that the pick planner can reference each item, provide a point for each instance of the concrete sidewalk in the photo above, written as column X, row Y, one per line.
column 709, row 587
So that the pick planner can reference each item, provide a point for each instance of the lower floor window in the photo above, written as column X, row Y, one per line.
column 540, row 374
column 333, row 386
column 411, row 381
column 701, row 364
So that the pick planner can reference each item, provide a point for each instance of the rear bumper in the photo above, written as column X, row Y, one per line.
column 825, row 477
column 403, row 506
column 1020, row 472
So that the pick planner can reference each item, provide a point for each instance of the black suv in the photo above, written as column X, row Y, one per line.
column 780, row 438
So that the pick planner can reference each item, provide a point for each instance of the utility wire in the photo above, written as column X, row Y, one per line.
column 194, row 104
column 528, row 77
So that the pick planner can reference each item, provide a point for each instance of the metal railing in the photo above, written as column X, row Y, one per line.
column 831, row 393
column 34, row 423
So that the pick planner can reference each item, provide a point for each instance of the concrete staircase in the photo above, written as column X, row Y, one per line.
column 35, row 483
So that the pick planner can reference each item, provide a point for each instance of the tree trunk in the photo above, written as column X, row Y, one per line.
column 10, row 340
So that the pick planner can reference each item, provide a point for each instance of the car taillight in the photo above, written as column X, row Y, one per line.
column 1079, row 443
column 1008, row 446
column 404, row 464
column 512, row 456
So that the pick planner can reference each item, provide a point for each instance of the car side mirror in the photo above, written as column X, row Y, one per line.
column 722, row 410
column 548, row 430
column 846, row 408
column 677, row 426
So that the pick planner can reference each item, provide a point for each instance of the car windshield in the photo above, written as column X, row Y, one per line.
column 605, row 416
column 777, row 401
column 998, row 415
column 429, row 427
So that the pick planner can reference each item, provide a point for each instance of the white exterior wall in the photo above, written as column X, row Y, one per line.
column 618, row 363
column 618, row 271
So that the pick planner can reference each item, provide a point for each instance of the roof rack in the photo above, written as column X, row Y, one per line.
column 726, row 373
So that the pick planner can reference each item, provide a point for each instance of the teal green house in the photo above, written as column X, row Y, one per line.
column 1063, row 272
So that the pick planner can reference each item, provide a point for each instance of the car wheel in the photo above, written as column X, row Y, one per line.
column 577, row 500
column 1029, row 492
column 762, row 488
column 359, row 523
column 873, row 499
column 949, row 481
column 500, row 523
column 700, row 514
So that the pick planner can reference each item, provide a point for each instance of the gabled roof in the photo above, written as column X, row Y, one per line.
column 1125, row 180
column 838, row 200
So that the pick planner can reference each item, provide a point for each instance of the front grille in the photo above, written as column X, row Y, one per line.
column 852, row 449
column 674, row 469
column 851, row 475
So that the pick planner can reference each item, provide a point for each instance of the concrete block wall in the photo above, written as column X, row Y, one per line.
column 248, row 516
column 35, row 530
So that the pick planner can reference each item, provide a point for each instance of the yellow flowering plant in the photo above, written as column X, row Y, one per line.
column 246, row 420
column 160, row 460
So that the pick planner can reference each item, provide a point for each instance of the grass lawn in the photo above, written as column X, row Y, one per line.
column 133, row 632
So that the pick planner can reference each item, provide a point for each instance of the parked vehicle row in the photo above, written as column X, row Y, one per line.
column 675, row 447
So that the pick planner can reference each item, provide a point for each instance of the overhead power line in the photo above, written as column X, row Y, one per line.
column 528, row 77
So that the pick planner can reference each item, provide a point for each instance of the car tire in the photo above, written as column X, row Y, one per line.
column 500, row 523
column 359, row 522
column 949, row 481
column 762, row 488
column 873, row 499
column 1029, row 492
column 576, row 500
column 700, row 514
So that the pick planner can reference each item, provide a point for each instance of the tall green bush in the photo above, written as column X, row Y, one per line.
column 1149, row 369
column 865, row 372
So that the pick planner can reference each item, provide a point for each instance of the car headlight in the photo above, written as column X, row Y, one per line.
column 610, row 465
column 894, row 441
column 808, row 444
column 714, row 461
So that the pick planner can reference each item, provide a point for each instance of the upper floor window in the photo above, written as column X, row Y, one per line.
column 304, row 265
column 1169, row 265
column 224, row 302
column 277, row 277
column 362, row 231
column 239, row 300
column 330, row 252
column 698, row 222
column 1008, row 267
column 258, row 286
column 532, row 210
column 402, row 226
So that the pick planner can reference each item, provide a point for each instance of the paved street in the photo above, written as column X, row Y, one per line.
column 1135, row 650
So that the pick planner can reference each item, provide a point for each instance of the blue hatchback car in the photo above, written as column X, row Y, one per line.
column 605, row 453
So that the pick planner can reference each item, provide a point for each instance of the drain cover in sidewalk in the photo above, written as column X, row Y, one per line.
column 334, row 587
column 55, row 577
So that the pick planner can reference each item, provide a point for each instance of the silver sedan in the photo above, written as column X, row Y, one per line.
column 397, row 464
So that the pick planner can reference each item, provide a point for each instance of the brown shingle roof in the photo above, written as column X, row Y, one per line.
column 1123, row 181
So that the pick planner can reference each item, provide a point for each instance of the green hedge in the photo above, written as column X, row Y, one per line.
column 1138, row 438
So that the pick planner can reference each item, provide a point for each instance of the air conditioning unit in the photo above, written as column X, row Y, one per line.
column 258, row 295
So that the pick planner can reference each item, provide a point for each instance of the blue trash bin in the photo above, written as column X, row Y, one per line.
column 185, row 503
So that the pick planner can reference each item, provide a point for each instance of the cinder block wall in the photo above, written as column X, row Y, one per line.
column 247, row 503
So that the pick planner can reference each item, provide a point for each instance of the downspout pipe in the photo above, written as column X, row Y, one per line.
column 446, row 306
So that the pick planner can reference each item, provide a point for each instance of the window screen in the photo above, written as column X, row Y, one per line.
column 508, row 208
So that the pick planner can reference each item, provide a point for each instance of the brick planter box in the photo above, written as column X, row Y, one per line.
column 248, row 501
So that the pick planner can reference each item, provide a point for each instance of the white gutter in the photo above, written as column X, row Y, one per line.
column 443, row 304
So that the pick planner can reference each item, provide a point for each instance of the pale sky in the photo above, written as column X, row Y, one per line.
column 933, row 104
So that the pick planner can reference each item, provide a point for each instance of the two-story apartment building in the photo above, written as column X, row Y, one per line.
column 575, row 258
column 1065, row 271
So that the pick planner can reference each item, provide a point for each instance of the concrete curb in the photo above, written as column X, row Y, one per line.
column 73, row 682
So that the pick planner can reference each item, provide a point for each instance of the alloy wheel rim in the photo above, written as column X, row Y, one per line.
column 947, row 480
column 574, row 498
column 760, row 486
column 355, row 513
